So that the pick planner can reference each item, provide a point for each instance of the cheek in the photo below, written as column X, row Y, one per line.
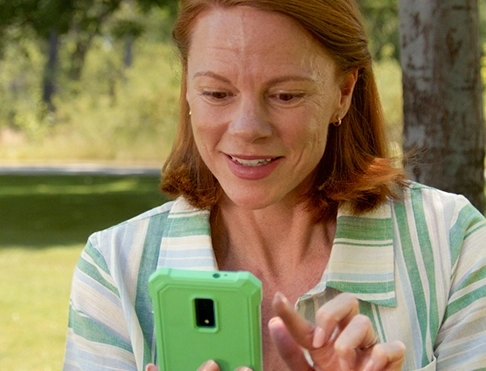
column 207, row 136
column 315, row 135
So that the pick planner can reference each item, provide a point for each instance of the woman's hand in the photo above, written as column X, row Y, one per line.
column 342, row 339
column 206, row 366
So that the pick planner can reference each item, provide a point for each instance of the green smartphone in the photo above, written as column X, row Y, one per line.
column 203, row 315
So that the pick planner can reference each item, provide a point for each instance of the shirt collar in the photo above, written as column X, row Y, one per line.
column 361, row 262
column 362, row 258
column 186, row 242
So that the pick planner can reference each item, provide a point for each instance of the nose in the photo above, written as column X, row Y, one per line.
column 250, row 121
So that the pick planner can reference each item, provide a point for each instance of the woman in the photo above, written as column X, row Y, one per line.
column 280, row 169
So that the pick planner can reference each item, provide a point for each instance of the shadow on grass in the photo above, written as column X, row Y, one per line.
column 46, row 210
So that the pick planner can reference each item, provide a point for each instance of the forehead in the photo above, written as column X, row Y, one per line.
column 253, row 36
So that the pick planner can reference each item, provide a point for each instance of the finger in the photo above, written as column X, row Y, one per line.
column 151, row 367
column 288, row 349
column 301, row 330
column 335, row 314
column 209, row 366
column 386, row 356
column 357, row 337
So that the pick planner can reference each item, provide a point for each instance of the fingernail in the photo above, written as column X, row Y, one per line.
column 273, row 320
column 280, row 298
column 319, row 337
column 209, row 365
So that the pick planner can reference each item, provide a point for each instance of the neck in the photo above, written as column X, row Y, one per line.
column 270, row 239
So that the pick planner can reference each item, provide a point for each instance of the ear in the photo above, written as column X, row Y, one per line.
column 347, row 89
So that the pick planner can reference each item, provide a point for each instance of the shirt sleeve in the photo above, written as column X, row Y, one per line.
column 98, row 337
column 461, row 341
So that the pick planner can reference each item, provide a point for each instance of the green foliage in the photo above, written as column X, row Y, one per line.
column 381, row 21
column 110, row 113
column 482, row 18
column 388, row 75
column 20, row 88
column 42, row 16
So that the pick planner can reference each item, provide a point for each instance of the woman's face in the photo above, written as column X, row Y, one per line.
column 262, row 95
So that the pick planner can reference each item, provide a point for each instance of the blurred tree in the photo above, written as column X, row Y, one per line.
column 381, row 20
column 87, row 19
column 442, row 92
column 91, row 15
column 84, row 18
column 48, row 19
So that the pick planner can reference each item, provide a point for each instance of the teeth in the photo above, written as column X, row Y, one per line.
column 259, row 162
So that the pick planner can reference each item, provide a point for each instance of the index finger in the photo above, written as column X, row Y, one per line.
column 301, row 330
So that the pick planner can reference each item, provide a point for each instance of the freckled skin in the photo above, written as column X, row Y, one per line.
column 265, row 89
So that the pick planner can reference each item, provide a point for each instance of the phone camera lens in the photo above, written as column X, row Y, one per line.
column 204, row 313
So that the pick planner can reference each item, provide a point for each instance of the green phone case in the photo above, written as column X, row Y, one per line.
column 186, row 334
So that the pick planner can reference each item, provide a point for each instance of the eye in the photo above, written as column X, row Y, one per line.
column 288, row 98
column 215, row 95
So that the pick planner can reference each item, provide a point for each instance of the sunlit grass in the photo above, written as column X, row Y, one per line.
column 34, row 300
column 45, row 223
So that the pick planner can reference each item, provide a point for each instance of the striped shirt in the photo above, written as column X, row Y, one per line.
column 417, row 266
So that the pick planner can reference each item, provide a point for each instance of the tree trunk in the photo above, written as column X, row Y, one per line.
column 49, row 81
column 442, row 94
column 128, row 55
column 79, row 55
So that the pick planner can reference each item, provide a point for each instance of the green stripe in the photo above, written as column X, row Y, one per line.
column 197, row 225
column 428, row 256
column 382, row 287
column 468, row 222
column 413, row 274
column 364, row 244
column 148, row 264
column 92, row 271
column 97, row 257
column 371, row 311
column 465, row 300
column 365, row 229
column 366, row 309
column 95, row 332
column 380, row 322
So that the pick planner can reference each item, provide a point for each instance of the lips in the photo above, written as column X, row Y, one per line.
column 252, row 167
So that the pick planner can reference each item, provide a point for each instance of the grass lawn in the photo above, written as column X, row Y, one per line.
column 45, row 223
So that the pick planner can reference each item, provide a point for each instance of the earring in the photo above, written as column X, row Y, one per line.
column 190, row 113
column 338, row 122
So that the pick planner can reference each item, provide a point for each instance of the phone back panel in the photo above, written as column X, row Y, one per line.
column 185, row 339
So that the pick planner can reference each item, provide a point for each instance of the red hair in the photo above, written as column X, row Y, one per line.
column 355, row 167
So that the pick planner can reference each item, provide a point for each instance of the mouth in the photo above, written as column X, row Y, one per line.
column 253, row 162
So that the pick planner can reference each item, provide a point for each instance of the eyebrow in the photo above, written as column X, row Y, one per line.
column 213, row 75
column 273, row 81
column 286, row 78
